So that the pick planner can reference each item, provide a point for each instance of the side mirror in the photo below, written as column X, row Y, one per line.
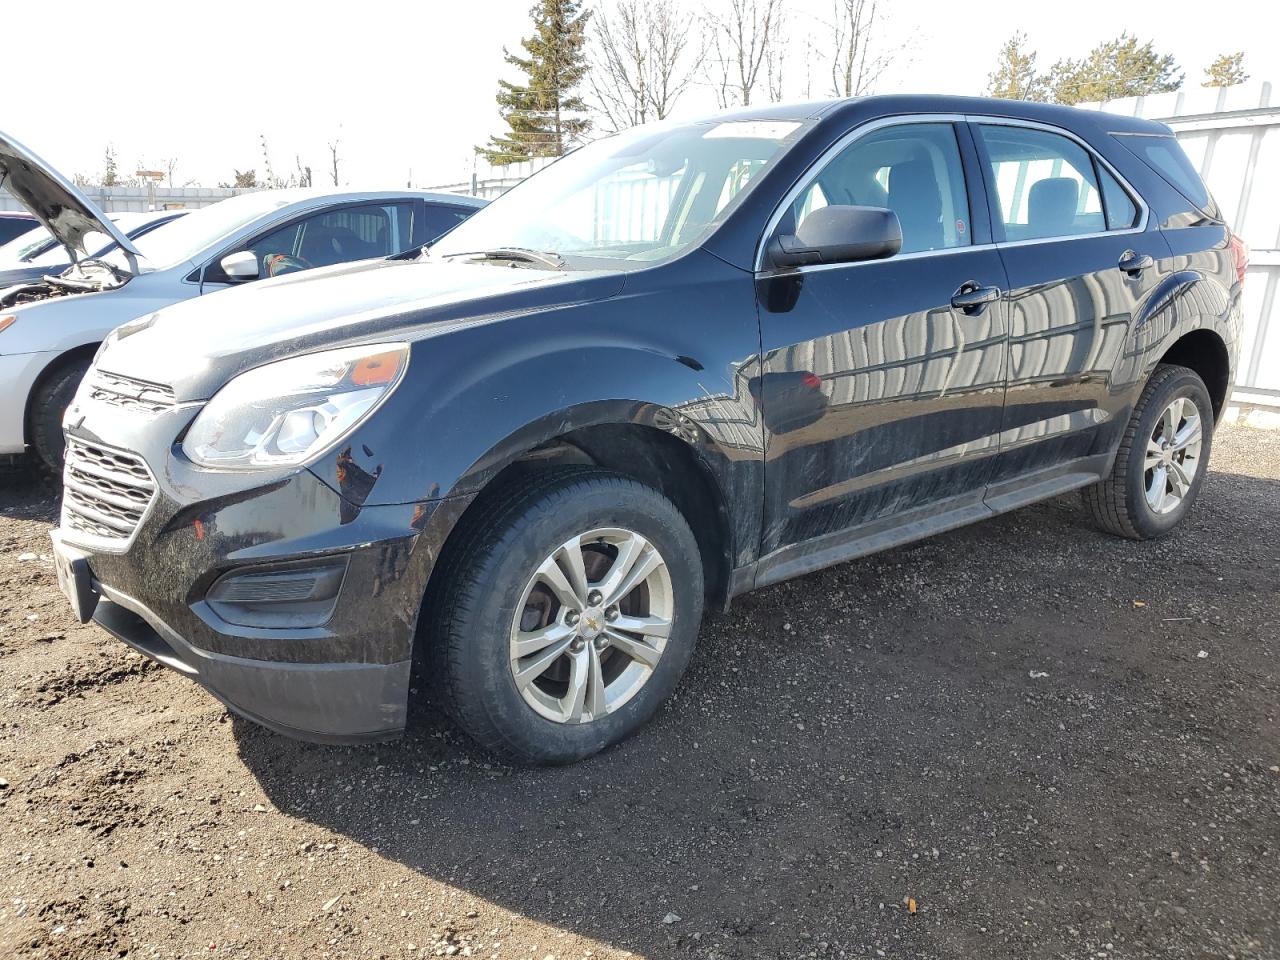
column 839, row 234
column 241, row 266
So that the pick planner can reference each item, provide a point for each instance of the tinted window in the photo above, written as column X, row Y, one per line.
column 1045, row 183
column 913, row 169
column 1165, row 157
column 1122, row 212
column 440, row 218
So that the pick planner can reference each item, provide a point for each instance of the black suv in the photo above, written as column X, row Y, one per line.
column 682, row 362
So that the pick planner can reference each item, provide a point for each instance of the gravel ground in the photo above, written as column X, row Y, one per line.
column 1023, row 739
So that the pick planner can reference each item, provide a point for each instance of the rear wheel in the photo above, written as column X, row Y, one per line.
column 48, row 405
column 1162, row 459
column 570, row 614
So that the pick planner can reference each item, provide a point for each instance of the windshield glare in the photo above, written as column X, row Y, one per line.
column 635, row 199
column 183, row 239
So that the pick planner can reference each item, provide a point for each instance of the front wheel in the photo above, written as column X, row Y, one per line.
column 569, row 615
column 1162, row 459
column 48, row 406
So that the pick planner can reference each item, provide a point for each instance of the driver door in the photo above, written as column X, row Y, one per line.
column 881, row 392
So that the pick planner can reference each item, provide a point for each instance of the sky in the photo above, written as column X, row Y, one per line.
column 406, row 89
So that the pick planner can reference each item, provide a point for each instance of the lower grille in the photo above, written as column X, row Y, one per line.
column 105, row 492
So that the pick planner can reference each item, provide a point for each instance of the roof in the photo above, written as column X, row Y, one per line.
column 291, row 195
column 858, row 109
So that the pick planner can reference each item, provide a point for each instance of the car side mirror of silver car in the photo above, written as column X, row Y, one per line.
column 241, row 266
column 839, row 234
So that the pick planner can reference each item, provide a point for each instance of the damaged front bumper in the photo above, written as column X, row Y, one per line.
column 289, row 603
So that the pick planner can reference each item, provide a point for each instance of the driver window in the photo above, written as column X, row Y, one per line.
column 332, row 236
column 913, row 169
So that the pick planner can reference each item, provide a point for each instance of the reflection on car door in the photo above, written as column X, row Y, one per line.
column 882, row 401
column 1080, row 264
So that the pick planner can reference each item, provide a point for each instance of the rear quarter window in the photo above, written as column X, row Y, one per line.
column 1166, row 157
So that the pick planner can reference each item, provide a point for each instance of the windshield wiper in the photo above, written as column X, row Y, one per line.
column 548, row 258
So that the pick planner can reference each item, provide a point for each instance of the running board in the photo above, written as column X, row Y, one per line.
column 798, row 559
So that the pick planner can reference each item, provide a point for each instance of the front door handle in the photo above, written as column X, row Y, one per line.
column 1133, row 263
column 973, row 299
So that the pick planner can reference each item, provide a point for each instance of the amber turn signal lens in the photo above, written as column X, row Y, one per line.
column 7, row 321
column 376, row 370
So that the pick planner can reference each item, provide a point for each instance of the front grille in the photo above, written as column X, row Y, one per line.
column 105, row 492
column 128, row 392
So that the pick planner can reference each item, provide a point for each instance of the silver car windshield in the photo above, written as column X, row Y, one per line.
column 185, row 238
column 630, row 200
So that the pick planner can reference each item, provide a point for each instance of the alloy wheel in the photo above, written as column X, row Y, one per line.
column 591, row 626
column 1173, row 456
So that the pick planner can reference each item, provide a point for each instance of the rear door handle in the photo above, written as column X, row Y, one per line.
column 1133, row 263
column 972, row 298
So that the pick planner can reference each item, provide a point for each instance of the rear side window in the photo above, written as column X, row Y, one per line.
column 440, row 218
column 1046, row 183
column 1122, row 212
column 1166, row 157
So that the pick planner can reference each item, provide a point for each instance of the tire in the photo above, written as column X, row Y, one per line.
column 1122, row 503
column 493, row 572
column 48, row 405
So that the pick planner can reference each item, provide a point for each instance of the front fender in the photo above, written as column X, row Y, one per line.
column 674, row 351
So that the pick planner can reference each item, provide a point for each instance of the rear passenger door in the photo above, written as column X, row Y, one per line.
column 1081, row 261
column 882, row 381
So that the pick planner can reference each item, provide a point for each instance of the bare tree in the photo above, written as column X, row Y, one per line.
column 775, row 58
column 741, row 34
column 855, row 64
column 641, row 61
column 333, row 156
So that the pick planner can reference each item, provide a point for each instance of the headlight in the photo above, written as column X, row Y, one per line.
column 285, row 413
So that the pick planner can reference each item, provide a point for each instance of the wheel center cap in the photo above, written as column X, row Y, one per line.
column 591, row 624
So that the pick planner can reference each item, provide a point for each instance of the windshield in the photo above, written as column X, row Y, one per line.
column 188, row 236
column 633, row 199
column 24, row 245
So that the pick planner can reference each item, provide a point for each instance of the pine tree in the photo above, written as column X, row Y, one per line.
column 1114, row 69
column 1015, row 76
column 544, row 115
column 1226, row 71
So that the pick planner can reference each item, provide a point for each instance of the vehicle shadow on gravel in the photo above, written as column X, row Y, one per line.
column 1023, row 738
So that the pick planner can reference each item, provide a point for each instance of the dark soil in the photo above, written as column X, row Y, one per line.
column 1022, row 739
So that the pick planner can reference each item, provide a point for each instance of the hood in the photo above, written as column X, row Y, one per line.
column 55, row 202
column 198, row 345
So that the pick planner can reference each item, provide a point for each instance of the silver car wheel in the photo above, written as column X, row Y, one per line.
column 1173, row 456
column 591, row 625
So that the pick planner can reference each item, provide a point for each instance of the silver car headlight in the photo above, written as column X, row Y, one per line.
column 287, row 412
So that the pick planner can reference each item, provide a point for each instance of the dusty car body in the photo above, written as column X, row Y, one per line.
column 855, row 324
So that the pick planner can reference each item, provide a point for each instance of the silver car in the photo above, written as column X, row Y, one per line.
column 50, row 328
column 36, row 253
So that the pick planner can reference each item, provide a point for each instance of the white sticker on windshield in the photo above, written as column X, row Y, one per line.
column 753, row 129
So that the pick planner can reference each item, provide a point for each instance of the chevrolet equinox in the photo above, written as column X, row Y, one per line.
column 682, row 362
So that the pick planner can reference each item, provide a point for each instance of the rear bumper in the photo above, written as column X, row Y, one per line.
column 323, row 702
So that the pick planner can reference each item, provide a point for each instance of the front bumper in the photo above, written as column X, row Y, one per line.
column 344, row 678
column 323, row 702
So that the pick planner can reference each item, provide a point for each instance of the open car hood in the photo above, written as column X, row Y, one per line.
column 68, row 213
